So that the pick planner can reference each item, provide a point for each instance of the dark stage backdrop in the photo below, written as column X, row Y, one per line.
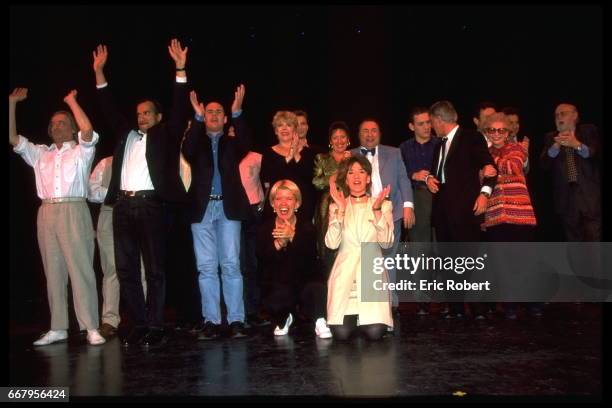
column 335, row 62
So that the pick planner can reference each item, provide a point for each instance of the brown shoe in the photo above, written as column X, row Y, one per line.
column 107, row 331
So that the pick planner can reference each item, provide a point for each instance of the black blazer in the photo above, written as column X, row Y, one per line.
column 163, row 145
column 589, row 181
column 468, row 153
column 198, row 152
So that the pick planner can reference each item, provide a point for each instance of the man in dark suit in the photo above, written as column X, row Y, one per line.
column 145, row 177
column 219, row 204
column 459, row 199
column 573, row 152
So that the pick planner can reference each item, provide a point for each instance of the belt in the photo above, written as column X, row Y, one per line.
column 215, row 197
column 140, row 194
column 63, row 200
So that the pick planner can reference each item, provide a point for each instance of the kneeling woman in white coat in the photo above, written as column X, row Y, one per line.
column 355, row 218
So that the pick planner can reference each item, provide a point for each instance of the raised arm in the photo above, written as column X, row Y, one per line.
column 18, row 95
column 243, row 133
column 192, row 136
column 179, row 55
column 100, row 55
column 117, row 122
column 79, row 115
column 179, row 112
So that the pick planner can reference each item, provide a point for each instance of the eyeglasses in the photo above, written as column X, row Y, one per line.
column 492, row 131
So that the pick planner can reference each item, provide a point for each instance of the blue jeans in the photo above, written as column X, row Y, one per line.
column 216, row 241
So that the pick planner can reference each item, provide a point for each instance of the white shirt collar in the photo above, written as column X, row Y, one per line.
column 66, row 145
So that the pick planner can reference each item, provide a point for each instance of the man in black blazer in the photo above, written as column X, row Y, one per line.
column 145, row 178
column 218, row 205
column 459, row 198
column 573, row 153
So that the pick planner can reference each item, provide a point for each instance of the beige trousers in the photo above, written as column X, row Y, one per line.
column 66, row 240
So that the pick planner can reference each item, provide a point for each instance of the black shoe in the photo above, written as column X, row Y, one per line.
column 155, row 337
column 256, row 321
column 135, row 336
column 197, row 327
column 183, row 326
column 237, row 330
column 210, row 332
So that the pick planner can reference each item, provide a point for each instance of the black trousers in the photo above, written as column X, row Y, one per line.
column 455, row 229
column 182, row 274
column 139, row 226
column 582, row 221
column 282, row 299
column 349, row 326
column 248, row 261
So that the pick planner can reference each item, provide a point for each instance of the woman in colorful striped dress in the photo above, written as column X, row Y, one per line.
column 509, row 216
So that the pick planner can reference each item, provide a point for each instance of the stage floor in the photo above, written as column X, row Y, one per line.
column 557, row 355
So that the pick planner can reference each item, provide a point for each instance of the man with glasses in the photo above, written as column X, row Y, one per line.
column 573, row 154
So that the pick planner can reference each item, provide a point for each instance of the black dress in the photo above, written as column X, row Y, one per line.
column 274, row 168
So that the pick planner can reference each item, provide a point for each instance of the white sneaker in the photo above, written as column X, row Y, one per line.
column 52, row 336
column 321, row 329
column 283, row 332
column 94, row 338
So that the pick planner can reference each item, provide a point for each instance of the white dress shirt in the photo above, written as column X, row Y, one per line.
column 100, row 180
column 377, row 186
column 135, row 174
column 376, row 180
column 59, row 173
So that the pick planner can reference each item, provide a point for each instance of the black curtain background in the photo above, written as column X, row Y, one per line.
column 335, row 62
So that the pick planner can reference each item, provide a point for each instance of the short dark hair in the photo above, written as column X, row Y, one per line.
column 301, row 113
column 156, row 104
column 338, row 125
column 417, row 111
column 369, row 119
column 482, row 106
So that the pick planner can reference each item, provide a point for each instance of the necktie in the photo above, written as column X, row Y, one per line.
column 365, row 151
column 441, row 164
column 570, row 165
